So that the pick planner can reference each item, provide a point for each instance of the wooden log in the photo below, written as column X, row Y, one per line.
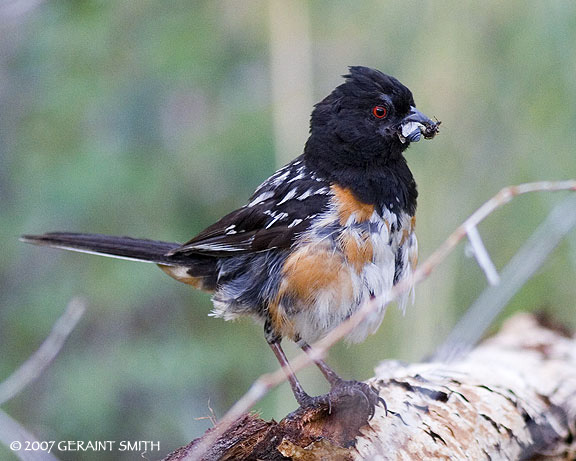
column 513, row 397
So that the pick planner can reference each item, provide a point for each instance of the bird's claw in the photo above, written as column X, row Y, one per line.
column 346, row 394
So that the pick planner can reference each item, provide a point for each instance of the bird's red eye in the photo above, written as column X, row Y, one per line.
column 379, row 111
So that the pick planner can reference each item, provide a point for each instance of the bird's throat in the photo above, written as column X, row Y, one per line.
column 385, row 182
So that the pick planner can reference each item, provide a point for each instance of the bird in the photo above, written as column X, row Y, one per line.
column 324, row 234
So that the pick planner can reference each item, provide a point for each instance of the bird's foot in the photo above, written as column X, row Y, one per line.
column 338, row 415
column 355, row 393
column 344, row 396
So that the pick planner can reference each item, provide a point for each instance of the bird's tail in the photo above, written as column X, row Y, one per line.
column 150, row 251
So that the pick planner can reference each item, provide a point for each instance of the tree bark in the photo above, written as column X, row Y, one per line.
column 513, row 397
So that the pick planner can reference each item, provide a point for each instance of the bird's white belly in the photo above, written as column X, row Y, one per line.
column 372, row 279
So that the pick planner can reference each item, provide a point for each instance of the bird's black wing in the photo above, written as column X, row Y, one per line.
column 281, row 208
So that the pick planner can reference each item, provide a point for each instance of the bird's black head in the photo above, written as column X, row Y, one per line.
column 359, row 132
column 371, row 117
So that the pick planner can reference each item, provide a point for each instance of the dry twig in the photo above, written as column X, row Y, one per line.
column 10, row 430
column 482, row 257
column 37, row 363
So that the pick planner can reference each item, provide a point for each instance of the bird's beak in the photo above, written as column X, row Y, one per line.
column 416, row 124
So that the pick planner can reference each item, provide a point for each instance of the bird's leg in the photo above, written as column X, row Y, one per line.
column 341, row 388
column 301, row 396
column 326, row 370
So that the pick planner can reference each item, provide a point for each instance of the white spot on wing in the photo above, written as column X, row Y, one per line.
column 277, row 217
column 263, row 196
column 295, row 222
column 310, row 192
column 222, row 246
column 297, row 177
column 288, row 196
column 280, row 179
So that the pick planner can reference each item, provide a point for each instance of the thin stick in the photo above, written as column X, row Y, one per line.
column 37, row 362
column 482, row 257
column 18, row 8
column 320, row 348
column 15, row 436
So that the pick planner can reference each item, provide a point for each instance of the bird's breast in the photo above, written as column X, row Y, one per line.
column 349, row 255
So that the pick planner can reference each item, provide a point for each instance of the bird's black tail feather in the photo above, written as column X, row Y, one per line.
column 151, row 251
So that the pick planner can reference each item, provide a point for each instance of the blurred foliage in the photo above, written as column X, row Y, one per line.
column 153, row 119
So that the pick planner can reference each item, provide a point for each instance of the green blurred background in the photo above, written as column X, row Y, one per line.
column 153, row 119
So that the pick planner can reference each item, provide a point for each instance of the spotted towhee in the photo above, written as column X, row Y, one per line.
column 328, row 231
